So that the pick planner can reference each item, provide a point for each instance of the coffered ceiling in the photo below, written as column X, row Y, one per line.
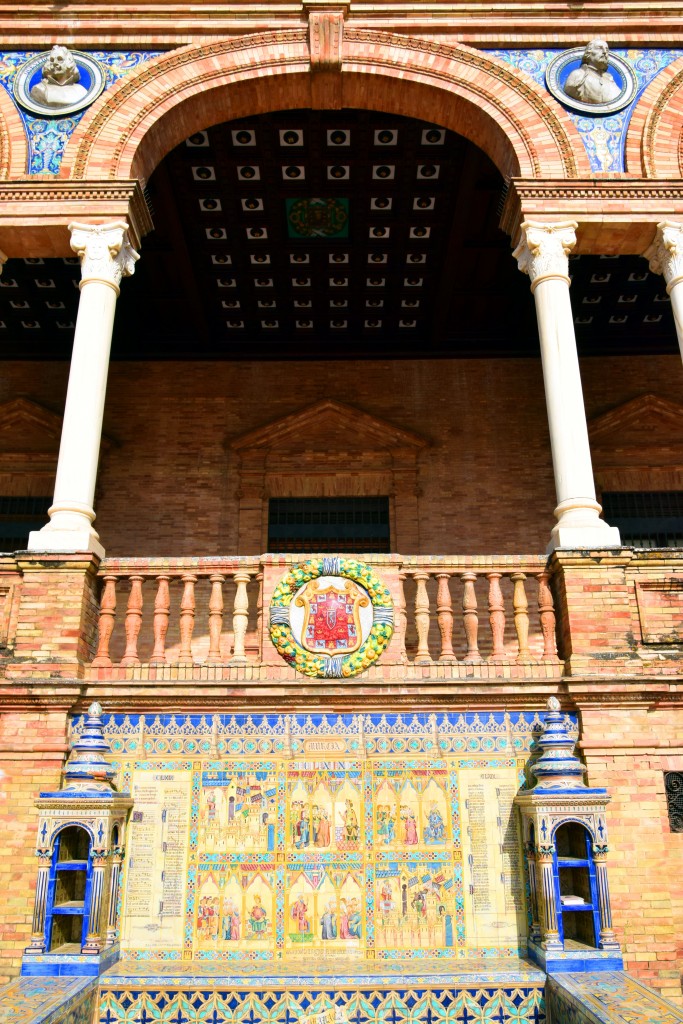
column 315, row 234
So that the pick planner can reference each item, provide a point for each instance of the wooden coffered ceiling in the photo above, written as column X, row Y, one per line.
column 319, row 234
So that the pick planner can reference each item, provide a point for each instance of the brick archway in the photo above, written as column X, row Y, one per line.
column 654, row 143
column 13, row 143
column 497, row 107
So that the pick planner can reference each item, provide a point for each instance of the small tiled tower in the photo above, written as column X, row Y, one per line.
column 565, row 837
column 80, row 849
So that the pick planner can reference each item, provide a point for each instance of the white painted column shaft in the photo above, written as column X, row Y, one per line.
column 106, row 256
column 665, row 257
column 542, row 254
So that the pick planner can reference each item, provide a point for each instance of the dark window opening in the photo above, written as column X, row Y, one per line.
column 18, row 516
column 328, row 525
column 673, row 785
column 646, row 519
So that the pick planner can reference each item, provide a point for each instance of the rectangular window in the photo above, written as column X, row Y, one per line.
column 673, row 784
column 328, row 525
column 18, row 516
column 646, row 519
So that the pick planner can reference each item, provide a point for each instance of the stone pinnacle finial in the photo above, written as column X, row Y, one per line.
column 88, row 767
column 558, row 767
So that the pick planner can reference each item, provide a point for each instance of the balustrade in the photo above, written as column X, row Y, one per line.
column 448, row 611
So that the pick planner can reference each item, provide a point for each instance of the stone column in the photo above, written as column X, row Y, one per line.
column 40, row 904
column 550, row 934
column 665, row 257
column 542, row 254
column 607, row 939
column 106, row 256
column 117, row 860
column 94, row 941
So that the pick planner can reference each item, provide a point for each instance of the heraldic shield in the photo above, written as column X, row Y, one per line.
column 331, row 618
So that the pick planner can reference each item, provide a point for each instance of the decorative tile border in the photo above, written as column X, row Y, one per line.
column 612, row 997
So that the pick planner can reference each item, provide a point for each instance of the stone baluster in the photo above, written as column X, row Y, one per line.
column 496, row 615
column 470, row 617
column 546, row 612
column 133, row 622
column 215, row 619
column 102, row 658
column 520, row 606
column 607, row 938
column 259, row 614
column 40, row 903
column 162, row 609
column 240, row 618
column 187, row 610
column 94, row 942
column 106, row 257
column 543, row 254
column 116, row 862
column 665, row 257
column 550, row 934
column 401, row 618
column 422, row 655
column 444, row 614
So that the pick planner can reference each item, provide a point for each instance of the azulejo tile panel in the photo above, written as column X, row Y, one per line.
column 475, row 1004
column 603, row 135
column 48, row 1000
column 388, row 837
column 610, row 997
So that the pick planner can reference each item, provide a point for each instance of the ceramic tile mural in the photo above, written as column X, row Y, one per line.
column 323, row 991
column 603, row 135
column 262, row 838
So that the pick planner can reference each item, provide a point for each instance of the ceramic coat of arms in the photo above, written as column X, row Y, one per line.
column 331, row 617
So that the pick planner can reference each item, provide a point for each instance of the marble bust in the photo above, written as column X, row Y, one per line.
column 60, row 83
column 592, row 83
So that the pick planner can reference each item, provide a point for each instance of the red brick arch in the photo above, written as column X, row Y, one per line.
column 131, row 128
column 13, row 142
column 654, row 142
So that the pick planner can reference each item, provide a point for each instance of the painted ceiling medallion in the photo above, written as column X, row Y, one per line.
column 59, row 82
column 331, row 617
column 318, row 218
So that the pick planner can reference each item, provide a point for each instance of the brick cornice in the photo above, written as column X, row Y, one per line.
column 616, row 216
column 99, row 23
column 35, row 214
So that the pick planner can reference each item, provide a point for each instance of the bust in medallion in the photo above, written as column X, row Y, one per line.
column 59, row 85
column 592, row 83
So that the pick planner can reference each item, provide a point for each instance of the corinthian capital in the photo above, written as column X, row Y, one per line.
column 105, row 253
column 543, row 249
column 665, row 255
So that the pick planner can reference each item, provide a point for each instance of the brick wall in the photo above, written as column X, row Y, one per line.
column 32, row 747
column 628, row 751
column 168, row 484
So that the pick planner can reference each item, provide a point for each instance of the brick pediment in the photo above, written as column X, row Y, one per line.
column 26, row 426
column 645, row 422
column 329, row 426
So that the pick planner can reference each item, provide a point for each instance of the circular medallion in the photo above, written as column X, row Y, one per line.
column 594, row 87
column 59, row 82
column 331, row 618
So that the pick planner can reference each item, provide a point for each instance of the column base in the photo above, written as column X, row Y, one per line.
column 50, row 539
column 584, row 538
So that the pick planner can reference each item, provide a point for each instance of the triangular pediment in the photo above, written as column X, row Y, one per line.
column 26, row 426
column 647, row 421
column 329, row 426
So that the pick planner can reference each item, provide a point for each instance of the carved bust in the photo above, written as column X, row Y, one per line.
column 592, row 83
column 60, row 83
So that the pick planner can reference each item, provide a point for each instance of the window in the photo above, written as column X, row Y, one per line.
column 18, row 516
column 328, row 525
column 673, row 785
column 646, row 519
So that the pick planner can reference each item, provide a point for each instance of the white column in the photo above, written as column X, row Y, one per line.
column 542, row 254
column 106, row 256
column 665, row 257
